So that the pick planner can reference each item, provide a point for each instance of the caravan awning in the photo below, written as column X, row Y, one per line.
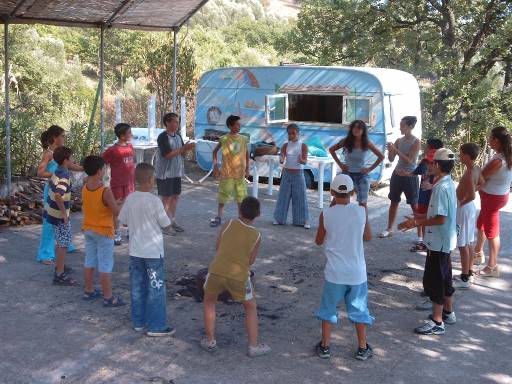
column 151, row 15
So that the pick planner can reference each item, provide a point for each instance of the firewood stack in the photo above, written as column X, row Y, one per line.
column 25, row 205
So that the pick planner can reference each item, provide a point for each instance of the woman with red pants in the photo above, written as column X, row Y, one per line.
column 494, row 192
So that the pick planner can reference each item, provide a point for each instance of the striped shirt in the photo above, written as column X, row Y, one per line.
column 59, row 183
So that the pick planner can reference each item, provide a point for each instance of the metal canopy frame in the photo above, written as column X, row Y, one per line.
column 19, row 13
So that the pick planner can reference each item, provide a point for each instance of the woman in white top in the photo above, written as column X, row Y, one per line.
column 294, row 154
column 494, row 191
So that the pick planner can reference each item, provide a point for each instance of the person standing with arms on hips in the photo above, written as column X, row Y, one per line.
column 294, row 154
column 407, row 149
column 494, row 190
column 355, row 149
column 170, row 167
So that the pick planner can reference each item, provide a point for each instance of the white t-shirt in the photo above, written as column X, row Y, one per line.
column 499, row 182
column 344, row 244
column 145, row 216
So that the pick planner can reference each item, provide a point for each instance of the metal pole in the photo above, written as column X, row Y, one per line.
column 175, row 55
column 102, row 75
column 7, row 108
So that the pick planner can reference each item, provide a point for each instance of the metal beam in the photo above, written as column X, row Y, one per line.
column 17, row 7
column 187, row 17
column 124, row 5
column 174, row 65
column 8, row 170
column 102, row 91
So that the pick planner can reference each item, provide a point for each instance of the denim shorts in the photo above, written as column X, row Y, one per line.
column 361, row 185
column 62, row 233
column 356, row 302
column 99, row 252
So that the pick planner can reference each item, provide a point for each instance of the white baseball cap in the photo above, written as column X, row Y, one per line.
column 443, row 154
column 342, row 184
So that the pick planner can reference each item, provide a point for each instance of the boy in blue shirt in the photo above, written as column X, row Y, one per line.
column 441, row 239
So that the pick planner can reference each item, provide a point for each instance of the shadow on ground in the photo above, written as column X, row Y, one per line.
column 48, row 335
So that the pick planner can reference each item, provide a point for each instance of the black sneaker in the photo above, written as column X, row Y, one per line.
column 322, row 352
column 364, row 354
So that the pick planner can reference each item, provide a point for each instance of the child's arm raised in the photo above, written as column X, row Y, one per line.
column 321, row 232
column 41, row 169
column 254, row 252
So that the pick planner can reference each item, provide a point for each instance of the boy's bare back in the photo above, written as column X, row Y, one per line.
column 468, row 184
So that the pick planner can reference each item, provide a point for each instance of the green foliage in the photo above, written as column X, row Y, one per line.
column 25, row 145
column 459, row 50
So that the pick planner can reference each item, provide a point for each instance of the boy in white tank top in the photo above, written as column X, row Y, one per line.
column 345, row 270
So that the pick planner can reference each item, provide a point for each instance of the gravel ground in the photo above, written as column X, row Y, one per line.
column 49, row 335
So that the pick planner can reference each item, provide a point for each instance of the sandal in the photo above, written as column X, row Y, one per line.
column 64, row 280
column 48, row 262
column 114, row 301
column 215, row 222
column 88, row 296
column 489, row 271
column 479, row 258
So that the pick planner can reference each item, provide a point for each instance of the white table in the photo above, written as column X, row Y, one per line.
column 273, row 160
column 139, row 151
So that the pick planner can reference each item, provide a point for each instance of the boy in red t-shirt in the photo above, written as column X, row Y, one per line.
column 121, row 159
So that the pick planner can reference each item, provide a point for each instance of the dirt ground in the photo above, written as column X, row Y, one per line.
column 49, row 335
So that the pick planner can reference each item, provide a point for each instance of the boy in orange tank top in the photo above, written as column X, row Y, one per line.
column 100, row 210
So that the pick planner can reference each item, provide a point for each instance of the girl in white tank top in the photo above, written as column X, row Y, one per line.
column 294, row 154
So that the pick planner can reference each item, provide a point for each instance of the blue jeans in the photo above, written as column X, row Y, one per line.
column 147, row 278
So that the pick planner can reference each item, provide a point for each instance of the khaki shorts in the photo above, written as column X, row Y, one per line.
column 238, row 290
column 229, row 188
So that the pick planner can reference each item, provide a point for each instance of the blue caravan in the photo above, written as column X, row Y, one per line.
column 321, row 100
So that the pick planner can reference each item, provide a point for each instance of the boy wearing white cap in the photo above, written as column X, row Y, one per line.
column 441, row 239
column 345, row 270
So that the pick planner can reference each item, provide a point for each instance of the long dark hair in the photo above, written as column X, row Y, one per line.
column 53, row 132
column 350, row 140
column 501, row 134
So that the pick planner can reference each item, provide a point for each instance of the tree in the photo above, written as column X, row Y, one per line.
column 459, row 50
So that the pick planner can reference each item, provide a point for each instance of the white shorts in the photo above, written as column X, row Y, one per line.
column 466, row 224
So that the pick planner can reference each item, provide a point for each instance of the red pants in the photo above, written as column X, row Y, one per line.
column 122, row 192
column 489, row 218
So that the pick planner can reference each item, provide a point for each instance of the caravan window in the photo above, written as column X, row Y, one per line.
column 356, row 108
column 276, row 108
column 316, row 108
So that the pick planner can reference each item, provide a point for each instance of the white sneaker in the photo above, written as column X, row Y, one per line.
column 385, row 234
column 461, row 284
column 449, row 319
column 307, row 226
column 258, row 350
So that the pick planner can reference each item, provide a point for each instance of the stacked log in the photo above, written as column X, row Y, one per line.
column 25, row 205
